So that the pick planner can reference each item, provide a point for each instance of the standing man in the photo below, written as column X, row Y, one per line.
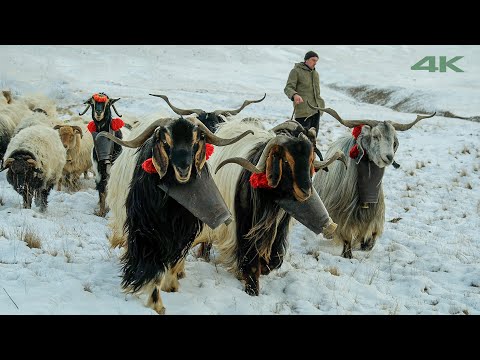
column 304, row 84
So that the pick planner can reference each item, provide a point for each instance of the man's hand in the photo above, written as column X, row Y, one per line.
column 297, row 99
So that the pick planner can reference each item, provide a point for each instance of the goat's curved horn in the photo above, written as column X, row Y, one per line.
column 347, row 123
column 290, row 125
column 8, row 162
column 116, row 112
column 244, row 105
column 179, row 111
column 403, row 127
column 277, row 140
column 75, row 127
column 140, row 139
column 86, row 109
column 240, row 161
column 215, row 140
column 337, row 156
column 56, row 127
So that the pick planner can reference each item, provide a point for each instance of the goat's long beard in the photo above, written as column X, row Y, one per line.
column 266, row 220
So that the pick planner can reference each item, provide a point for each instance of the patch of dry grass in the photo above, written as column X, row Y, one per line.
column 30, row 238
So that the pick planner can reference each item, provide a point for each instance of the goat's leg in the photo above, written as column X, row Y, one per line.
column 204, row 251
column 103, row 167
column 154, row 299
column 251, row 275
column 347, row 249
column 170, row 283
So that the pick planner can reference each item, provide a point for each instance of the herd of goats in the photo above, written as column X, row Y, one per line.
column 153, row 179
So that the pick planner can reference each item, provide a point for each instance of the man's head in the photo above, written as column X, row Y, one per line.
column 311, row 59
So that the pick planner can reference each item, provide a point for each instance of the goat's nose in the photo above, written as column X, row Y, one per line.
column 65, row 146
column 390, row 157
column 183, row 171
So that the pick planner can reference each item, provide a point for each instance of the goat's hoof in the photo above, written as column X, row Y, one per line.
column 100, row 213
column 160, row 310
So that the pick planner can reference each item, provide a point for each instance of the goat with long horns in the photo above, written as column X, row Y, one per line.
column 272, row 185
column 161, row 193
column 354, row 196
column 210, row 119
column 104, row 151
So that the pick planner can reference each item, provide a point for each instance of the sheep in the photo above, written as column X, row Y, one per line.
column 354, row 197
column 36, row 117
column 11, row 112
column 34, row 158
column 210, row 119
column 17, row 114
column 104, row 150
column 264, row 202
column 79, row 153
column 160, row 195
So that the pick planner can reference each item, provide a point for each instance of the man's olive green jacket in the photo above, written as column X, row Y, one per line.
column 306, row 83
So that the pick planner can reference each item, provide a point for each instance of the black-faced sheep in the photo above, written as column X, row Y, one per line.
column 35, row 158
column 354, row 196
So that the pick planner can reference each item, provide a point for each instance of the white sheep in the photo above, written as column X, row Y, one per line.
column 35, row 159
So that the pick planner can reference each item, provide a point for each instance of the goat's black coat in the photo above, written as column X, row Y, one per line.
column 160, row 230
column 211, row 120
column 267, row 208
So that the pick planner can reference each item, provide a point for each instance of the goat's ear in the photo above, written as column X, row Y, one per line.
column 160, row 159
column 200, row 156
column 366, row 130
column 274, row 167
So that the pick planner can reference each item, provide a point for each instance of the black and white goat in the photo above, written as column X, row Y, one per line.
column 160, row 195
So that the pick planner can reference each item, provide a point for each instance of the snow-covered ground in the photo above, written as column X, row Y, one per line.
column 426, row 262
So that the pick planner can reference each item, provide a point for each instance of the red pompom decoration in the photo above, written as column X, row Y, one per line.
column 209, row 150
column 356, row 131
column 354, row 151
column 99, row 97
column 259, row 181
column 92, row 127
column 148, row 167
column 116, row 124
